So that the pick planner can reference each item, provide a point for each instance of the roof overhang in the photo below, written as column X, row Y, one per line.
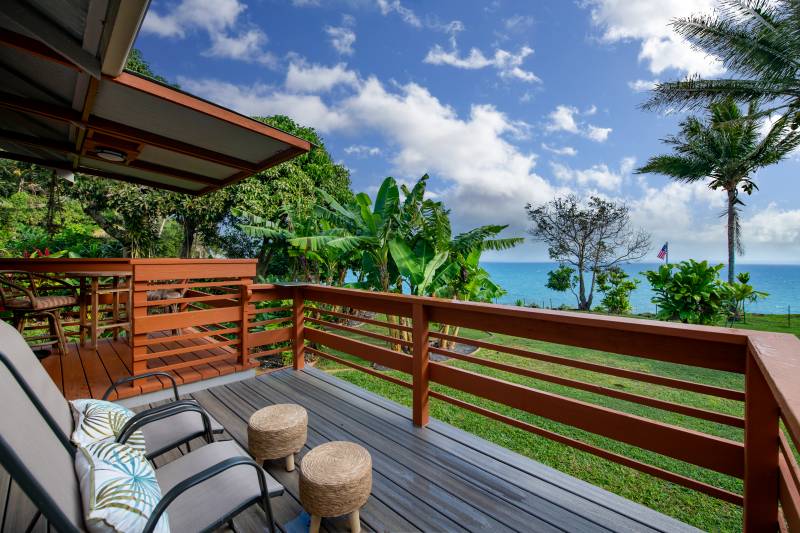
column 67, row 104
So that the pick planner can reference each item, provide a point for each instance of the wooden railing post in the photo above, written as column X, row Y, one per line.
column 298, row 336
column 420, row 370
column 760, row 452
column 244, row 336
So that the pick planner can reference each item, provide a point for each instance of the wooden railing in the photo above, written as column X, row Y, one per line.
column 410, row 330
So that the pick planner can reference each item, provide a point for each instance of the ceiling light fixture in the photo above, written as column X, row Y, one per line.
column 109, row 154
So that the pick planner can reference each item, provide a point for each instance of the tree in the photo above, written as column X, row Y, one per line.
column 693, row 294
column 591, row 237
column 725, row 148
column 616, row 286
column 758, row 41
column 741, row 292
column 267, row 195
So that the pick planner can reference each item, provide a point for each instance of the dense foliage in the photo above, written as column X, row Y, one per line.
column 690, row 292
column 616, row 287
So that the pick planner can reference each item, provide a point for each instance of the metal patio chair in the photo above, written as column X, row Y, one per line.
column 200, row 491
column 164, row 427
column 29, row 294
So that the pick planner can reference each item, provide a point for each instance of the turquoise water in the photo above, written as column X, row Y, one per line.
column 525, row 281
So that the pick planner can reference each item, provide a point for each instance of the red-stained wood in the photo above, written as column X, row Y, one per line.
column 362, row 368
column 113, row 355
column 715, row 453
column 647, row 342
column 357, row 331
column 75, row 385
column 271, row 336
column 688, row 482
column 298, row 329
column 369, row 352
column 167, row 271
column 789, row 496
column 357, row 299
column 791, row 460
column 762, row 427
column 655, row 379
column 355, row 318
column 52, row 364
column 420, row 367
column 96, row 375
column 185, row 319
column 704, row 414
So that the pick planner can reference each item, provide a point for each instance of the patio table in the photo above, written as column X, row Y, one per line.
column 90, row 298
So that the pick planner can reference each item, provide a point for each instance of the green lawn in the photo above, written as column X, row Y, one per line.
column 697, row 509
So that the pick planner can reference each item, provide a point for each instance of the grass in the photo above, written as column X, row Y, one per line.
column 687, row 505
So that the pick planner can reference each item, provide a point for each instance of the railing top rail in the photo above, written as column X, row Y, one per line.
column 778, row 357
column 712, row 333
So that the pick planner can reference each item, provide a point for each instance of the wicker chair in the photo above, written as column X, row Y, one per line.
column 29, row 295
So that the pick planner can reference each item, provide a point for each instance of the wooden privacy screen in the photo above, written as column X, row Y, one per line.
column 187, row 314
column 413, row 331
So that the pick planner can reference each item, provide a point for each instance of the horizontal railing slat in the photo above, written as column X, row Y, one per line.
column 646, row 343
column 270, row 336
column 688, row 482
column 363, row 350
column 364, row 332
column 355, row 318
column 704, row 414
column 789, row 495
column 707, row 451
column 655, row 379
column 362, row 368
column 185, row 319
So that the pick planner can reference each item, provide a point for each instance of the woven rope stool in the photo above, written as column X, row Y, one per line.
column 277, row 431
column 335, row 479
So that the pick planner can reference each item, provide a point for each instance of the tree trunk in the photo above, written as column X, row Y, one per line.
column 731, row 235
column 582, row 303
column 188, row 239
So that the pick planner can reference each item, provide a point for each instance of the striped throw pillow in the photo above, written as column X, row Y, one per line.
column 99, row 420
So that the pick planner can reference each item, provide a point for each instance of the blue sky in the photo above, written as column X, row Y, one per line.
column 502, row 102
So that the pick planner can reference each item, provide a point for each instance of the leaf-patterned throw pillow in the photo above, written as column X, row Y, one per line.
column 119, row 489
column 99, row 420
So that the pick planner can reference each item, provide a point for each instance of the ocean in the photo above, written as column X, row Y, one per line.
column 526, row 281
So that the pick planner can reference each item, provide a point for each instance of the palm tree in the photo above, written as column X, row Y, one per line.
column 758, row 41
column 725, row 147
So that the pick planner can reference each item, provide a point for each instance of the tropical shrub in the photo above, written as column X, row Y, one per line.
column 741, row 292
column 690, row 291
column 616, row 287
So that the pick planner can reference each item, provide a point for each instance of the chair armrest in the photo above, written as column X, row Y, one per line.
column 130, row 379
column 203, row 476
column 140, row 420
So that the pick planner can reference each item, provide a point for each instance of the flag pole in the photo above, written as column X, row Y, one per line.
column 666, row 256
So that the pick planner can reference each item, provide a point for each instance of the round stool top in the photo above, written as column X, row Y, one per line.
column 278, row 416
column 335, row 463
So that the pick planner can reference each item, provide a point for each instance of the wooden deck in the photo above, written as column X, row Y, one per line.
column 437, row 478
column 87, row 373
column 434, row 479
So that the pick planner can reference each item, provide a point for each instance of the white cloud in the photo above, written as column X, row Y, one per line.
column 220, row 20
column 649, row 22
column 773, row 226
column 641, row 86
column 597, row 134
column 565, row 118
column 599, row 175
column 394, row 6
column 361, row 150
column 304, row 78
column 560, row 150
column 342, row 37
column 518, row 22
column 508, row 64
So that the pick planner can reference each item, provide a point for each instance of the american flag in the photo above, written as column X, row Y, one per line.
column 663, row 252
